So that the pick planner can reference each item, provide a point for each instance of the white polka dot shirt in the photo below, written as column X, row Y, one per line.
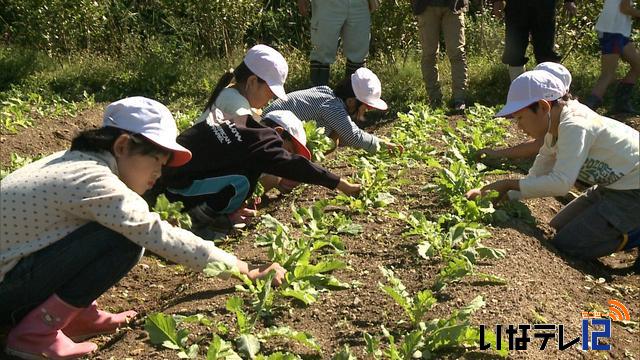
column 45, row 201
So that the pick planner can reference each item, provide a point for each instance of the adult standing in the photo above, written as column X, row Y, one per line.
column 445, row 17
column 349, row 20
column 524, row 19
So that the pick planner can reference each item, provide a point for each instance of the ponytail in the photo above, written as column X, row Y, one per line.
column 240, row 74
column 224, row 81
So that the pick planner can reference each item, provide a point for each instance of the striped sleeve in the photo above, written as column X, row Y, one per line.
column 337, row 119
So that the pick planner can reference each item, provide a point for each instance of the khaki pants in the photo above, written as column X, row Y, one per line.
column 332, row 19
column 433, row 21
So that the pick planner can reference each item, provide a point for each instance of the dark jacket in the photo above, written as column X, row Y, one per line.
column 418, row 6
column 240, row 147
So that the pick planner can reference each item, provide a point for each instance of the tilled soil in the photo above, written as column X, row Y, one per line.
column 542, row 285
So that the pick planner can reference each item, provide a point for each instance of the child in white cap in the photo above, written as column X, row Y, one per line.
column 530, row 148
column 229, row 157
column 74, row 223
column 336, row 110
column 578, row 144
column 246, row 89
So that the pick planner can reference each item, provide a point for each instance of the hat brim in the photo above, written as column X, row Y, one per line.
column 301, row 149
column 377, row 104
column 512, row 107
column 181, row 155
column 278, row 90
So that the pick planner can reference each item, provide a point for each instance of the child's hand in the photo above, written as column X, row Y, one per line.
column 262, row 271
column 486, row 154
column 392, row 147
column 473, row 193
column 349, row 188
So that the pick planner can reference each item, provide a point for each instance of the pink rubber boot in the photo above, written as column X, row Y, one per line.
column 39, row 335
column 92, row 322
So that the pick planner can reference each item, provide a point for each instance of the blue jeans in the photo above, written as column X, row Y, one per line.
column 78, row 268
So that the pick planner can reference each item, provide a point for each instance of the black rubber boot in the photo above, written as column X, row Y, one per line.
column 624, row 94
column 593, row 102
column 320, row 73
column 351, row 68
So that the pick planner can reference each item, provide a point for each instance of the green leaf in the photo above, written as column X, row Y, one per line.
column 301, row 271
column 248, row 345
column 234, row 305
column 344, row 354
column 490, row 253
column 220, row 349
column 162, row 330
column 286, row 332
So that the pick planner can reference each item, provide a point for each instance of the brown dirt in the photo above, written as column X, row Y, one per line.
column 539, row 280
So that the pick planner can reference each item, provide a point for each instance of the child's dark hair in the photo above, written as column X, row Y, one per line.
column 102, row 139
column 272, row 124
column 344, row 90
column 241, row 73
column 535, row 106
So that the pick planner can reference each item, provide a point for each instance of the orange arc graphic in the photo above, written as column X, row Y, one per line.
column 618, row 310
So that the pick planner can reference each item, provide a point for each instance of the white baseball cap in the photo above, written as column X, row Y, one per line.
column 367, row 88
column 291, row 124
column 150, row 119
column 269, row 65
column 530, row 87
column 558, row 70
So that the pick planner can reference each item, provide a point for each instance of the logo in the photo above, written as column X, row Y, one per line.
column 618, row 312
column 595, row 326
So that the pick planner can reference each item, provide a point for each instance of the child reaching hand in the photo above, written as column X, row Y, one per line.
column 578, row 144
column 74, row 223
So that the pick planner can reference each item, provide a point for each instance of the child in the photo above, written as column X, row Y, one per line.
column 259, row 77
column 335, row 109
column 614, row 29
column 527, row 20
column 229, row 156
column 530, row 148
column 73, row 224
column 578, row 144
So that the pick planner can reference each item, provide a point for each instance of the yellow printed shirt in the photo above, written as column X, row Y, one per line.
column 45, row 201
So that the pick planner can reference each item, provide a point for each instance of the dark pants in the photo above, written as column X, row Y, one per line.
column 592, row 225
column 78, row 268
column 524, row 18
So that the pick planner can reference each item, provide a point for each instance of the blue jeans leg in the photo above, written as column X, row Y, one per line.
column 78, row 268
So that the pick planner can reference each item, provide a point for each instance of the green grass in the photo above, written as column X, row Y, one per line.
column 33, row 83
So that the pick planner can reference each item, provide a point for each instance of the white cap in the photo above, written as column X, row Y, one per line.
column 150, row 119
column 367, row 88
column 530, row 87
column 557, row 70
column 291, row 124
column 269, row 65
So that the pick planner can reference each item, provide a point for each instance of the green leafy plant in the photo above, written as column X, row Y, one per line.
column 172, row 212
column 163, row 331
column 17, row 161
column 414, row 307
column 317, row 142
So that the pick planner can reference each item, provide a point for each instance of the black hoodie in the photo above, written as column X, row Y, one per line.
column 240, row 147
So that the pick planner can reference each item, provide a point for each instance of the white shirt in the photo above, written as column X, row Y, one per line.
column 232, row 104
column 589, row 147
column 612, row 20
column 45, row 201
